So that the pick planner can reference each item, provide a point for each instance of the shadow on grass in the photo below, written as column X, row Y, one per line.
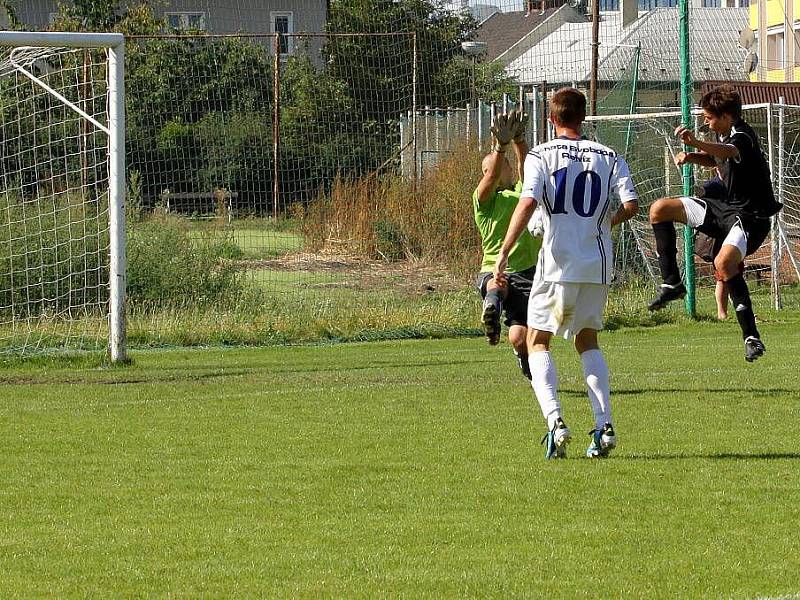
column 720, row 456
column 761, row 392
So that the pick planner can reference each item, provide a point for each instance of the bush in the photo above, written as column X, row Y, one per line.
column 53, row 254
column 171, row 265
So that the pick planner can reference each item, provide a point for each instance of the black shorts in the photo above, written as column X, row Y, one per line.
column 721, row 218
column 515, row 305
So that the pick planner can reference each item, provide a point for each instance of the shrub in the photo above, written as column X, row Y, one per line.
column 171, row 265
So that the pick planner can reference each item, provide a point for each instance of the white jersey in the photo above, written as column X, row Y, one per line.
column 572, row 180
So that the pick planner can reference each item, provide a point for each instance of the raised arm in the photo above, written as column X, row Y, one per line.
column 695, row 158
column 503, row 129
column 494, row 166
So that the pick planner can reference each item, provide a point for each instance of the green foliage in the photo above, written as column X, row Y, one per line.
column 388, row 240
column 53, row 255
column 168, row 264
column 362, row 61
column 206, row 121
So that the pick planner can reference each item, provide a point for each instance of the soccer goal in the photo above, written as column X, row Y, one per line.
column 648, row 143
column 62, row 193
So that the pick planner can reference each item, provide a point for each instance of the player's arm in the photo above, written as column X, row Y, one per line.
column 622, row 182
column 503, row 129
column 488, row 183
column 625, row 212
column 695, row 158
column 519, row 221
column 715, row 149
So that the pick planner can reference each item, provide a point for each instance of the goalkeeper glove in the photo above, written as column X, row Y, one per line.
column 503, row 128
column 521, row 128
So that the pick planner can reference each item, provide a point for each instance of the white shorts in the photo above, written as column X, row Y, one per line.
column 566, row 308
column 695, row 209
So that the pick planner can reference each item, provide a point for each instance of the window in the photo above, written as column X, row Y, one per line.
column 651, row 4
column 609, row 5
column 186, row 21
column 282, row 23
column 796, row 47
column 775, row 49
column 712, row 4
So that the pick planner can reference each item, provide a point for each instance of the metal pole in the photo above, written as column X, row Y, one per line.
column 468, row 113
column 414, row 106
column 595, row 57
column 686, row 114
column 479, row 109
column 773, row 259
column 543, row 112
column 276, row 126
column 116, row 204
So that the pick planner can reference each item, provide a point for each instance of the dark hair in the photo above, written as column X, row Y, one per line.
column 568, row 106
column 722, row 100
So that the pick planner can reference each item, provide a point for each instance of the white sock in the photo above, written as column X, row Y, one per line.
column 544, row 382
column 595, row 370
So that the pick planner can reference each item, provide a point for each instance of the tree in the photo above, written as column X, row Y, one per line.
column 382, row 67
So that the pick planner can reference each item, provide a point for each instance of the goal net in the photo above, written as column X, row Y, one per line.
column 648, row 143
column 61, row 224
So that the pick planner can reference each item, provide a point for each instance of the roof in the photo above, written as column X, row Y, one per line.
column 759, row 92
column 501, row 30
column 565, row 55
column 714, row 49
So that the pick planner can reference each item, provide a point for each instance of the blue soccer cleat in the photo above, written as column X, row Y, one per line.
column 556, row 440
column 603, row 442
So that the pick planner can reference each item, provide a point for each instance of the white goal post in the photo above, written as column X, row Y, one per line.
column 29, row 43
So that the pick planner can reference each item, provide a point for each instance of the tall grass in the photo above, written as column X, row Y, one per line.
column 387, row 216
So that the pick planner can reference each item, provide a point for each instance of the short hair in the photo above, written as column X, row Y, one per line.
column 722, row 100
column 568, row 106
column 487, row 158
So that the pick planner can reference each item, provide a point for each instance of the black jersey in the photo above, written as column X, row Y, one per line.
column 747, row 176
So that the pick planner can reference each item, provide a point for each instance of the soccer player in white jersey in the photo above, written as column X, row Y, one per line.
column 573, row 179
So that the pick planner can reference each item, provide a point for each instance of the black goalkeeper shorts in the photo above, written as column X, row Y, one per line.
column 515, row 305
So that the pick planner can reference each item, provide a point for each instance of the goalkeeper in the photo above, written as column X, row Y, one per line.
column 493, row 202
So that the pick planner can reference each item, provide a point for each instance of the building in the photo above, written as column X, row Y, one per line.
column 213, row 16
column 553, row 47
column 776, row 44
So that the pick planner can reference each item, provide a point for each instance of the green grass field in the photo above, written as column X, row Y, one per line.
column 407, row 468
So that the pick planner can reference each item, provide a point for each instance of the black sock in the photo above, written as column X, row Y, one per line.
column 740, row 296
column 495, row 298
column 522, row 360
column 666, row 246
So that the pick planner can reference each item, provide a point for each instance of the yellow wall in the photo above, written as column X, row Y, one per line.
column 775, row 13
column 774, row 75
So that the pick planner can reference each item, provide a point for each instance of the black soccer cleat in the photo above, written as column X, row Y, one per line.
column 491, row 322
column 667, row 294
column 753, row 348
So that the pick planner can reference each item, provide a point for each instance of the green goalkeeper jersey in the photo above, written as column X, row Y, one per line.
column 493, row 218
